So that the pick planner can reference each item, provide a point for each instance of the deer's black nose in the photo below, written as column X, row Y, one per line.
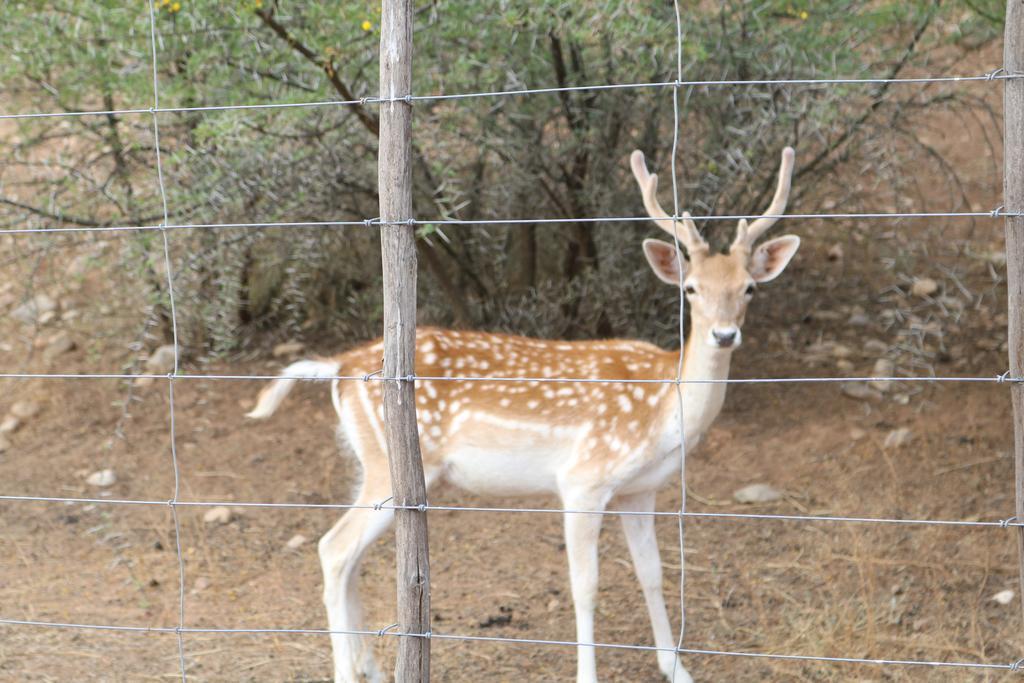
column 724, row 338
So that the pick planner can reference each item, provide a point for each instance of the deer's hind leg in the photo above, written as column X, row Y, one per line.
column 341, row 550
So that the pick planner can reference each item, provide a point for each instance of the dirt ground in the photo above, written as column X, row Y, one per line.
column 811, row 588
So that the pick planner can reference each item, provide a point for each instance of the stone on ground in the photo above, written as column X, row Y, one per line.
column 103, row 478
column 757, row 493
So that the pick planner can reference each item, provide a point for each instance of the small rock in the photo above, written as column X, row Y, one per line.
column 59, row 344
column 30, row 311
column 24, row 409
column 160, row 362
column 296, row 542
column 218, row 515
column 860, row 391
column 201, row 584
column 286, row 349
column 924, row 286
column 757, row 493
column 901, row 399
column 844, row 366
column 102, row 478
column 841, row 351
column 858, row 434
column 1003, row 597
column 875, row 347
column 858, row 320
column 883, row 368
column 553, row 604
column 835, row 252
column 9, row 424
column 47, row 317
column 897, row 438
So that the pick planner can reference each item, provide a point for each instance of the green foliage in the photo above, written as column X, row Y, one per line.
column 548, row 155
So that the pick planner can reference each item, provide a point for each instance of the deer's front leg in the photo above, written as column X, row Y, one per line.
column 581, row 535
column 643, row 547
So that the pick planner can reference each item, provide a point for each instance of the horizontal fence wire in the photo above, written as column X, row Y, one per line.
column 995, row 75
column 998, row 212
column 992, row 379
column 737, row 516
column 388, row 631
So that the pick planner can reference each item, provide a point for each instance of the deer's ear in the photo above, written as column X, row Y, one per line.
column 771, row 258
column 665, row 261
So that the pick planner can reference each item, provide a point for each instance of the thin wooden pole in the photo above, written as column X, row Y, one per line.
column 398, row 249
column 1013, row 201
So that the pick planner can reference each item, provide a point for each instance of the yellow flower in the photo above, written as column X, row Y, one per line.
column 366, row 25
column 257, row 3
column 804, row 14
column 175, row 7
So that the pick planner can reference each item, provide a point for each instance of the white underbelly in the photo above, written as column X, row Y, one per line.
column 492, row 455
column 490, row 471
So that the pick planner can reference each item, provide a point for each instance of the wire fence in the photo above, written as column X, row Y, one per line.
column 174, row 501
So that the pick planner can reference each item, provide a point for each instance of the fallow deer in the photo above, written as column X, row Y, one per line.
column 594, row 445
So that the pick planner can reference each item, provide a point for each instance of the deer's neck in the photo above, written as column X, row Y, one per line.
column 701, row 401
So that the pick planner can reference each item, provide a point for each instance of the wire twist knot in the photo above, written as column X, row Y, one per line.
column 992, row 75
column 367, row 376
column 1001, row 379
column 378, row 506
column 381, row 632
column 1005, row 523
column 1017, row 665
column 996, row 212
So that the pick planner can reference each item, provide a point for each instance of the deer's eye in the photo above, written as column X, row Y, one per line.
column 690, row 289
column 750, row 290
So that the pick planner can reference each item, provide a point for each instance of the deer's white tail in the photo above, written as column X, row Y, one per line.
column 274, row 394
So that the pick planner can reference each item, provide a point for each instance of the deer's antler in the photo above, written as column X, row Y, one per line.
column 746, row 235
column 689, row 235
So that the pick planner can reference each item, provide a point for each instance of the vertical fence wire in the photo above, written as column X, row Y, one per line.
column 173, row 502
column 682, row 341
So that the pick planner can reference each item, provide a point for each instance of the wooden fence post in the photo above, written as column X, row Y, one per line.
column 1013, row 201
column 398, row 249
